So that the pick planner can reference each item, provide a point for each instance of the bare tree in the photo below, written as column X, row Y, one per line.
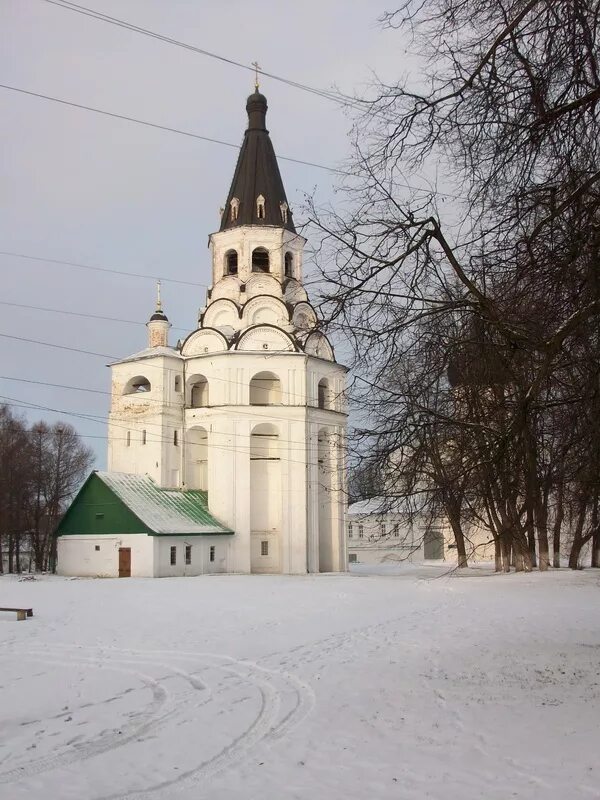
column 503, row 291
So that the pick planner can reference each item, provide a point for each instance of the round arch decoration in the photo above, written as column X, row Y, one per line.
column 204, row 341
column 266, row 338
column 318, row 345
column 265, row 309
column 228, row 288
column 262, row 283
column 304, row 316
column 221, row 313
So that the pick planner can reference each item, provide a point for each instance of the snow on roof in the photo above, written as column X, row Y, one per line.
column 374, row 506
column 149, row 352
column 163, row 510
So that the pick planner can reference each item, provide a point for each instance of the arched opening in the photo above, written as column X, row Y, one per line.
column 260, row 207
column 260, row 260
column 265, row 498
column 231, row 262
column 323, row 394
column 289, row 265
column 197, row 459
column 198, row 389
column 137, row 385
column 265, row 390
column 325, row 499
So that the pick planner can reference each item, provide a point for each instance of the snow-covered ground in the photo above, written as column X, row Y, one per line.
column 401, row 684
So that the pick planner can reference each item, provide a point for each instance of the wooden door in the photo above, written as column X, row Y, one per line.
column 124, row 562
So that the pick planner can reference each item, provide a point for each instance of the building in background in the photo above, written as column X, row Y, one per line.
column 245, row 417
column 379, row 530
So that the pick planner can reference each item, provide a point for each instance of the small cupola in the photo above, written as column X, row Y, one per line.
column 158, row 324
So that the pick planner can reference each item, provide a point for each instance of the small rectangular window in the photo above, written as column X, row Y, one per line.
column 361, row 531
column 128, row 439
column 143, row 437
column 188, row 554
column 396, row 531
column 173, row 556
column 264, row 548
column 352, row 558
column 97, row 547
column 211, row 556
column 175, row 438
column 383, row 529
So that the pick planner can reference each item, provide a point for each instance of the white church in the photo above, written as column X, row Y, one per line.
column 225, row 452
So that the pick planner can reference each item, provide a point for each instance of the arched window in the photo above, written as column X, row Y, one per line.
column 265, row 390
column 323, row 394
column 137, row 385
column 198, row 391
column 178, row 383
column 284, row 212
column 260, row 260
column 235, row 207
column 264, row 442
column 289, row 265
column 231, row 262
column 260, row 207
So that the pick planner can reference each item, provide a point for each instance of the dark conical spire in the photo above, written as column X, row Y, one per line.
column 257, row 196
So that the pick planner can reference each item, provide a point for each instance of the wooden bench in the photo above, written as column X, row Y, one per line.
column 21, row 612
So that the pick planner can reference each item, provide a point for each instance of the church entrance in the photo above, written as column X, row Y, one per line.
column 124, row 562
column 265, row 499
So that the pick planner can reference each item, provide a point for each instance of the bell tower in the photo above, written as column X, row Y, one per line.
column 264, row 395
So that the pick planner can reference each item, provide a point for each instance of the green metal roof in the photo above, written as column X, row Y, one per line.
column 117, row 502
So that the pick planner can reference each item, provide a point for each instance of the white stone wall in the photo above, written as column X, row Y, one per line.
column 200, row 555
column 150, row 555
column 158, row 412
column 377, row 547
column 245, row 239
column 77, row 555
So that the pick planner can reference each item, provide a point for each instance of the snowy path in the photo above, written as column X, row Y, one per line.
column 351, row 686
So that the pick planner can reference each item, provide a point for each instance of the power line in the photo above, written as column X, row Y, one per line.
column 54, row 385
column 160, row 127
column 78, row 265
column 78, row 314
column 57, row 346
column 101, row 17
column 111, row 358
column 100, row 420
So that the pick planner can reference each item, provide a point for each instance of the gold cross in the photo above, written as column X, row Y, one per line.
column 256, row 66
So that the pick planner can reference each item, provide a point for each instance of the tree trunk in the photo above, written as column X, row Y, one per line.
column 558, row 520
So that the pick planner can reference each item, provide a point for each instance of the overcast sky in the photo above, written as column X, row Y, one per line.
column 81, row 187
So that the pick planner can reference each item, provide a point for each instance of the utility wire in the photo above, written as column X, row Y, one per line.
column 162, row 127
column 146, row 363
column 13, row 401
column 100, row 16
column 78, row 265
column 78, row 314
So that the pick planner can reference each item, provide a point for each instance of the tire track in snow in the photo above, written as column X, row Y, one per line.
column 268, row 723
column 102, row 743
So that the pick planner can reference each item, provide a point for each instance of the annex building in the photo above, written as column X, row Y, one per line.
column 225, row 452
